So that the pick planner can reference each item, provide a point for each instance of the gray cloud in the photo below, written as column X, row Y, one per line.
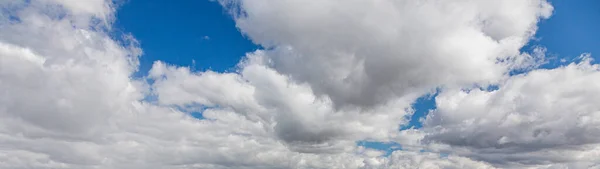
column 307, row 123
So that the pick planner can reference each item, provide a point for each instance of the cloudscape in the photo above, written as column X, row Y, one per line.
column 307, row 84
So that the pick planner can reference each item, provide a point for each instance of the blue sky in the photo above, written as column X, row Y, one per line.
column 199, row 34
column 179, row 33
column 572, row 29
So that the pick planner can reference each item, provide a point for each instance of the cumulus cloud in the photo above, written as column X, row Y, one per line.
column 331, row 74
column 60, row 78
column 364, row 53
column 306, row 122
column 544, row 116
column 67, row 100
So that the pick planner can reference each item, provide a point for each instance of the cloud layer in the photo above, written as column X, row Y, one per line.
column 331, row 74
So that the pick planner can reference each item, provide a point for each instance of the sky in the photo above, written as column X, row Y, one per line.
column 570, row 30
column 185, row 33
column 299, row 84
column 202, row 31
column 202, row 35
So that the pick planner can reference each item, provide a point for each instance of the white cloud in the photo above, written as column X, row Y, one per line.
column 332, row 75
column 67, row 100
column 306, row 122
column 364, row 53
column 544, row 116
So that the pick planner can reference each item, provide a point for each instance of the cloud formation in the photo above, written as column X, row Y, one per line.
column 544, row 116
column 331, row 74
column 364, row 53
column 305, row 122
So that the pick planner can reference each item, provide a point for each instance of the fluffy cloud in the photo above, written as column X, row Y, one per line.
column 364, row 53
column 542, row 117
column 68, row 98
column 306, row 122
column 60, row 79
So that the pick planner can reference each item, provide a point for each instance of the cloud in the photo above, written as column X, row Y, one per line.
column 59, row 78
column 542, row 117
column 330, row 75
column 365, row 53
column 401, row 159
column 306, row 122
column 68, row 100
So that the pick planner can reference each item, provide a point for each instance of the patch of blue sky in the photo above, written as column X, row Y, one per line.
column 421, row 108
column 198, row 34
column 387, row 147
column 569, row 32
column 197, row 115
column 196, row 110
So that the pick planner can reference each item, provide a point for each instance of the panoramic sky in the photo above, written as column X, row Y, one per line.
column 311, row 84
